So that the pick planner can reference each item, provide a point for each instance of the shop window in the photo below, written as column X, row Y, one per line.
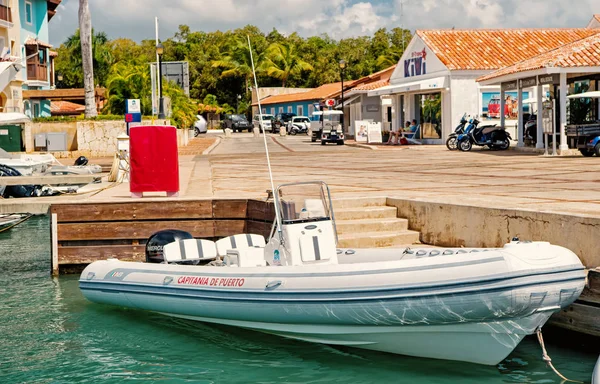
column 311, row 110
column 300, row 110
column 289, row 109
column 581, row 111
column 430, row 115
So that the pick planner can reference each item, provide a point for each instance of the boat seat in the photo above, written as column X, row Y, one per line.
column 241, row 241
column 317, row 249
column 189, row 250
column 314, row 208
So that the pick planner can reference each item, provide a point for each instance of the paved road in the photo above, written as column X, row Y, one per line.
column 510, row 179
column 244, row 142
column 237, row 167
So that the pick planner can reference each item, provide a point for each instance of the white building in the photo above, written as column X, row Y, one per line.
column 435, row 80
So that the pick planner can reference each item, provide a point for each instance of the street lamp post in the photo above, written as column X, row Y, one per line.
column 161, row 104
column 342, row 69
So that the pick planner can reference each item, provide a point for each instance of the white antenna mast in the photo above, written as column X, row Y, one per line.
column 264, row 135
column 402, row 22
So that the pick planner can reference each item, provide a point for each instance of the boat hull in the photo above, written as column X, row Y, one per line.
column 473, row 307
column 460, row 342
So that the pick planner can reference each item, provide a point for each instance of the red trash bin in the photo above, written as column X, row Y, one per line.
column 153, row 158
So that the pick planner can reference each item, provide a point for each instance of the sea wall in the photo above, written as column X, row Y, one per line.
column 453, row 225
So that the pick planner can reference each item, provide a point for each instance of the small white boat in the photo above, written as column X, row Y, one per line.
column 8, row 221
column 471, row 305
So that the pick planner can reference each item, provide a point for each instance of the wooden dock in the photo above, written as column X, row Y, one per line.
column 85, row 232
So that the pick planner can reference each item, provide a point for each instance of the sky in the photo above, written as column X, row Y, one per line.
column 134, row 19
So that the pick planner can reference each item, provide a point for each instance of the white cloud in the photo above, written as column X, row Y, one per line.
column 338, row 18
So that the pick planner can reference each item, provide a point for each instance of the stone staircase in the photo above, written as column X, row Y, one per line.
column 368, row 222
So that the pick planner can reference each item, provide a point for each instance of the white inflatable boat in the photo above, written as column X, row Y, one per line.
column 471, row 305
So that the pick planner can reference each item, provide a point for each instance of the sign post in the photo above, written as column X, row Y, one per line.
column 133, row 113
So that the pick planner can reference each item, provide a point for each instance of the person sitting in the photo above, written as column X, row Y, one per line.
column 412, row 127
column 397, row 135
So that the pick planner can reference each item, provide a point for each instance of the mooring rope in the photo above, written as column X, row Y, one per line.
column 547, row 358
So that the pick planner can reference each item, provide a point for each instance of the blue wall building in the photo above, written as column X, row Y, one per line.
column 35, row 52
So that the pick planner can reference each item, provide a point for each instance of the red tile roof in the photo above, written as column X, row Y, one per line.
column 66, row 108
column 491, row 49
column 371, row 86
column 33, row 41
column 325, row 91
column 580, row 53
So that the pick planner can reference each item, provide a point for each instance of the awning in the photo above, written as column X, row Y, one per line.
column 8, row 72
column 13, row 118
column 415, row 86
column 591, row 95
column 347, row 102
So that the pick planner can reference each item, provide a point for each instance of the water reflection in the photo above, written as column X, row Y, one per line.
column 50, row 333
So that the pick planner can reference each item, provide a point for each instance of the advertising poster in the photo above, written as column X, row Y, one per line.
column 360, row 127
column 374, row 132
column 491, row 104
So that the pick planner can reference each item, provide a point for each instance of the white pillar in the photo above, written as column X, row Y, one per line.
column 563, row 111
column 520, row 128
column 540, row 109
column 502, row 107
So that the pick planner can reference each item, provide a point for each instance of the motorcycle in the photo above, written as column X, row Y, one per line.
column 492, row 136
column 451, row 142
column 295, row 129
column 530, row 128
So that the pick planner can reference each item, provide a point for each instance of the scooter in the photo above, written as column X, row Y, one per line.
column 493, row 136
column 451, row 142
column 530, row 128
column 295, row 129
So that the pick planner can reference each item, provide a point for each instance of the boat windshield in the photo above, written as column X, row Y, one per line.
column 303, row 202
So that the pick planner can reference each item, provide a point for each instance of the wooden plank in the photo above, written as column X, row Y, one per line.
column 54, row 241
column 258, row 227
column 127, row 230
column 261, row 210
column 229, row 209
column 89, row 254
column 578, row 317
column 224, row 228
column 147, row 210
column 49, row 180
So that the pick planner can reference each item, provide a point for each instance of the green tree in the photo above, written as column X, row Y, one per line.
column 281, row 61
column 128, row 81
column 236, row 62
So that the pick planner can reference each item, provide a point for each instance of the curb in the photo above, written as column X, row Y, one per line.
column 212, row 146
column 282, row 145
column 362, row 146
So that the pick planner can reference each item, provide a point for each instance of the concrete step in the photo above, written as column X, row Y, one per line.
column 378, row 239
column 353, row 202
column 371, row 225
column 374, row 212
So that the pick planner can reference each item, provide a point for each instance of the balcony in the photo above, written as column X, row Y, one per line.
column 5, row 16
column 36, row 71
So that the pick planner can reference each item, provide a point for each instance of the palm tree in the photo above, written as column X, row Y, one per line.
column 281, row 61
column 237, row 62
column 128, row 81
column 85, row 27
column 391, row 57
column 102, row 56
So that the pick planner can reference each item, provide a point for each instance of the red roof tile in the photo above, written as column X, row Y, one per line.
column 33, row 41
column 371, row 86
column 580, row 53
column 325, row 91
column 66, row 108
column 491, row 49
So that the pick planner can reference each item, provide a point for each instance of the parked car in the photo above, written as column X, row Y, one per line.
column 200, row 126
column 237, row 123
column 281, row 119
column 298, row 124
column 494, row 108
column 267, row 122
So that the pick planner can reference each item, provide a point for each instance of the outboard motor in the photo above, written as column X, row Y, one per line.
column 81, row 160
column 156, row 242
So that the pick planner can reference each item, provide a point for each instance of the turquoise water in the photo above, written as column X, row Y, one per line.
column 50, row 334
